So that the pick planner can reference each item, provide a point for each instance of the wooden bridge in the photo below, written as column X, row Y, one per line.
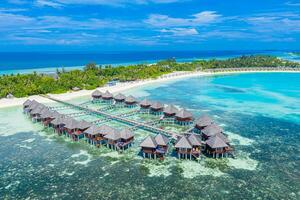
column 147, row 127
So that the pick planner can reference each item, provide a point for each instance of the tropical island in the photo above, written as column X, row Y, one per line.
column 93, row 76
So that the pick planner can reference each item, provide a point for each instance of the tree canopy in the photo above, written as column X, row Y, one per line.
column 93, row 76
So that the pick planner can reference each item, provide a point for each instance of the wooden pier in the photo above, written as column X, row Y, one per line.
column 145, row 126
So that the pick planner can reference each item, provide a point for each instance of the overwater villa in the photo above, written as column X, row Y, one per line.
column 71, row 125
column 112, row 139
column 120, row 98
column 32, row 105
column 47, row 116
column 184, row 117
column 162, row 145
column 205, row 136
column 93, row 135
column 216, row 147
column 35, row 113
column 156, row 108
column 82, row 126
column 145, row 106
column 183, row 148
column 119, row 140
column 26, row 104
column 131, row 101
column 170, row 111
column 96, row 95
column 126, row 138
column 203, row 122
column 154, row 147
column 210, row 131
column 58, row 124
column 148, row 147
column 188, row 147
column 107, row 97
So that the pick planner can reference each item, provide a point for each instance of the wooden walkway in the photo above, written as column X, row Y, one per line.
column 118, row 118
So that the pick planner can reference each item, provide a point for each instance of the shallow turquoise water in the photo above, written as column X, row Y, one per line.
column 259, row 112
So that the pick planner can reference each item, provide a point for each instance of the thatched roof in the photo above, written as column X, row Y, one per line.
column 38, row 109
column 204, row 121
column 212, row 130
column 33, row 104
column 97, row 93
column 223, row 137
column 120, row 97
column 126, row 134
column 157, row 105
column 46, row 113
column 183, row 142
column 104, row 129
column 84, row 124
column 107, row 95
column 130, row 99
column 71, row 124
column 149, row 142
column 170, row 109
column 216, row 142
column 59, row 120
column 55, row 114
column 194, row 139
column 183, row 114
column 27, row 103
column 92, row 130
column 145, row 102
column 114, row 135
column 161, row 140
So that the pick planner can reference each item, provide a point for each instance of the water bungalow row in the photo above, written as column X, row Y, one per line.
column 206, row 138
column 68, row 126
column 169, row 113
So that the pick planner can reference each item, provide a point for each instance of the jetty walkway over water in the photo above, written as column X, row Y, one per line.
column 119, row 118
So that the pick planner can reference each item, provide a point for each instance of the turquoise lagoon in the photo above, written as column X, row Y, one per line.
column 260, row 113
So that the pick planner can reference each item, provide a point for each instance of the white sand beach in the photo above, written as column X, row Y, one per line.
column 119, row 87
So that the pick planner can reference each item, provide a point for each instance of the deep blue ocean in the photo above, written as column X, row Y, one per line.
column 26, row 62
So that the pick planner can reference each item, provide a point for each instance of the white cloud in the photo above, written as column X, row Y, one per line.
column 42, row 3
column 279, row 23
column 198, row 19
column 181, row 31
column 290, row 3
column 109, row 2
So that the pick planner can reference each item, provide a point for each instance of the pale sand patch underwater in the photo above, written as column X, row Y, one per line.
column 237, row 139
column 82, row 154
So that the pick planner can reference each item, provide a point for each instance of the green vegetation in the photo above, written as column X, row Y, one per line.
column 93, row 76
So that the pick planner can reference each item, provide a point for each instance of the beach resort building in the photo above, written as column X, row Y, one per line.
column 217, row 147
column 107, row 97
column 154, row 147
column 96, row 95
column 131, row 101
column 120, row 98
column 203, row 122
column 184, row 117
column 145, row 106
column 188, row 147
column 156, row 108
column 210, row 131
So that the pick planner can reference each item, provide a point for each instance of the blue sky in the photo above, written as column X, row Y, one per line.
column 31, row 25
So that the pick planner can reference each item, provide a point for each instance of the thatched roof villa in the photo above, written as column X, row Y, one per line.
column 154, row 147
column 184, row 117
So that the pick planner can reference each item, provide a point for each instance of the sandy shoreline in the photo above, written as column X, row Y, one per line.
column 123, row 86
